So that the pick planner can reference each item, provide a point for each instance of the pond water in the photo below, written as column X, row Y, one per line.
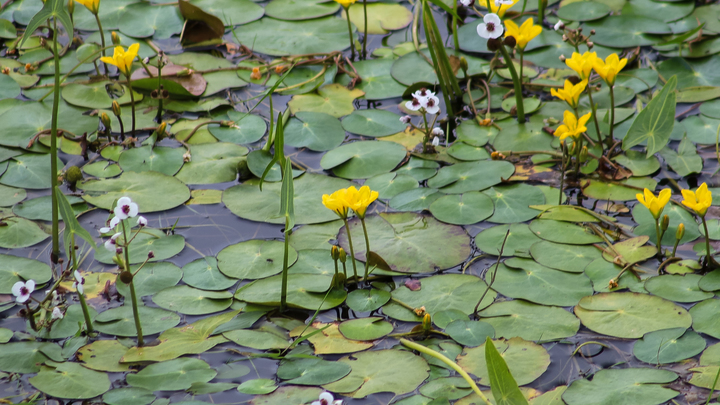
column 567, row 336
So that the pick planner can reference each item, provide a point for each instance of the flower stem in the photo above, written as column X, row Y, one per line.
column 365, row 31
column 707, row 241
column 452, row 364
column 352, row 45
column 53, row 152
column 659, row 237
column 562, row 171
column 352, row 251
column 133, row 296
column 578, row 148
column 102, row 38
column 132, row 104
column 677, row 242
column 522, row 55
column 612, row 117
column 31, row 316
column 456, row 41
column 283, row 292
column 86, row 313
column 593, row 108
column 367, row 247
column 516, row 83
column 426, row 138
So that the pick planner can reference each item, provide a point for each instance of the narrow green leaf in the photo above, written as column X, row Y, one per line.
column 287, row 195
column 72, row 226
column 503, row 385
column 680, row 39
column 52, row 8
column 441, row 64
column 445, row 7
column 654, row 124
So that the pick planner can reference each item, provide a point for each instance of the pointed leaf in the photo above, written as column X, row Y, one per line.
column 655, row 122
column 504, row 388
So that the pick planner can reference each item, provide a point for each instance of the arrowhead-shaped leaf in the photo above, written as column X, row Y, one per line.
column 654, row 123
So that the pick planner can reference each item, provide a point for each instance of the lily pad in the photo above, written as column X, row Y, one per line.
column 148, row 240
column 71, row 381
column 178, row 374
column 462, row 209
column 518, row 241
column 704, row 318
column 382, row 17
column 16, row 269
column 374, row 123
column 231, row 12
column 583, row 11
column 143, row 188
column 529, row 321
column 128, row 396
column 254, row 259
column 20, row 232
column 526, row 360
column 103, row 355
column 677, row 288
column 204, row 274
column 312, row 371
column 389, row 185
column 571, row 258
column 30, row 171
column 279, row 38
column 212, row 163
column 563, row 232
column 314, row 130
column 512, row 202
column 160, row 159
column 150, row 279
column 304, row 291
column 246, row 128
column 367, row 300
column 192, row 301
column 471, row 176
column 371, row 328
column 668, row 346
column 120, row 321
column 637, row 386
column 27, row 357
column 300, row 9
column 364, row 159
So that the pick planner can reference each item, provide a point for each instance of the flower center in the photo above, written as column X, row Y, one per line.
column 431, row 103
column 24, row 291
column 490, row 27
column 415, row 102
column 126, row 209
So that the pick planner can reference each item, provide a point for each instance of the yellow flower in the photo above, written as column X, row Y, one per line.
column 122, row 59
column 337, row 202
column 494, row 8
column 571, row 93
column 345, row 3
column 699, row 201
column 572, row 126
column 92, row 5
column 582, row 64
column 523, row 34
column 654, row 204
column 609, row 68
column 359, row 200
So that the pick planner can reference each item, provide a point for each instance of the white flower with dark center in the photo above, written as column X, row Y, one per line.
column 499, row 3
column 22, row 291
column 491, row 27
column 432, row 105
column 57, row 313
column 113, row 223
column 423, row 93
column 111, row 244
column 55, row 301
column 79, row 282
column 415, row 104
column 467, row 3
column 436, row 141
column 437, row 131
column 142, row 221
column 125, row 208
column 327, row 398
column 559, row 25
column 405, row 119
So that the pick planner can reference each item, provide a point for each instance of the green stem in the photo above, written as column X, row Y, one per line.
column 53, row 152
column 365, row 30
column 562, row 172
column 352, row 251
column 133, row 296
column 86, row 313
column 450, row 363
column 659, row 237
column 456, row 41
column 611, row 139
column 717, row 375
column 578, row 148
column 516, row 83
column 677, row 242
column 352, row 45
column 132, row 105
column 593, row 108
column 283, row 292
column 707, row 241
column 367, row 248
column 522, row 54
column 541, row 11
column 426, row 138
column 336, row 267
column 102, row 38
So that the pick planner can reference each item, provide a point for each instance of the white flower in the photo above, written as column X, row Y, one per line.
column 111, row 244
column 423, row 93
column 125, row 208
column 57, row 313
column 405, row 119
column 499, row 3
column 432, row 105
column 467, row 3
column 491, row 28
column 327, row 398
column 559, row 25
column 113, row 223
column 22, row 291
column 437, row 131
column 142, row 221
column 55, row 298
column 436, row 141
column 79, row 282
column 415, row 104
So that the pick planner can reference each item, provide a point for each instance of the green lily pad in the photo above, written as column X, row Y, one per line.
column 327, row 339
column 462, row 209
column 601, row 272
column 128, row 396
column 288, row 395
column 148, row 240
column 160, row 159
column 449, row 388
column 312, row 371
column 636, row 386
column 417, row 199
column 630, row 315
column 659, row 10
column 440, row 293
column 616, row 191
column 257, row 339
column 563, row 232
column 257, row 386
column 419, row 169
column 528, row 280
column 623, row 31
column 279, row 38
column 529, row 321
column 511, row 202
column 247, row 128
column 121, row 322
column 104, row 355
column 691, row 73
column 668, row 346
column 27, row 357
column 632, row 250
column 704, row 319
column 570, row 258
column 67, row 326
column 204, row 274
column 314, row 130
column 374, row 123
column 304, row 291
column 638, row 164
column 583, row 11
column 473, row 134
column 102, row 169
column 377, row 81
column 192, row 301
column 518, row 241
column 254, row 259
column 522, row 137
column 143, row 188
column 410, row 243
column 143, row 20
column 364, row 159
column 231, row 12
column 5, row 335
column 20, row 232
column 393, row 371
column 389, row 185
column 677, row 288
column 30, row 171
column 367, row 300
column 382, row 17
column 71, row 381
column 151, row 279
column 212, row 163
column 300, row 9
column 172, row 375
column 469, row 333
column 526, row 360
column 371, row 328
column 471, row 176
column 710, row 281
column 16, row 269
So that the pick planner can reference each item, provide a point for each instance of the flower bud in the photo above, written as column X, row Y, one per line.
column 495, row 155
column 590, row 44
column 613, row 284
column 161, row 129
column 115, row 38
column 73, row 175
column 335, row 252
column 493, row 44
column 463, row 64
column 405, row 119
column 427, row 322
column 71, row 6
column 680, row 231
column 420, row 311
column 665, row 223
column 510, row 41
column 126, row 277
column 583, row 154
column 105, row 119
column 571, row 148
column 116, row 109
column 342, row 255
column 592, row 32
column 151, row 255
column 6, row 70
column 562, row 58
column 255, row 75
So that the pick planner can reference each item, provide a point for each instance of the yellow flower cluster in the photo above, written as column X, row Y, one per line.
column 346, row 199
column 652, row 203
column 698, row 201
column 123, row 59
column 572, row 126
column 522, row 34
column 607, row 69
column 571, row 93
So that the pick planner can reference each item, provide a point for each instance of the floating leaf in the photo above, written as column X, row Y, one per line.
column 526, row 360
column 178, row 374
column 533, row 322
column 71, row 381
column 632, row 386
